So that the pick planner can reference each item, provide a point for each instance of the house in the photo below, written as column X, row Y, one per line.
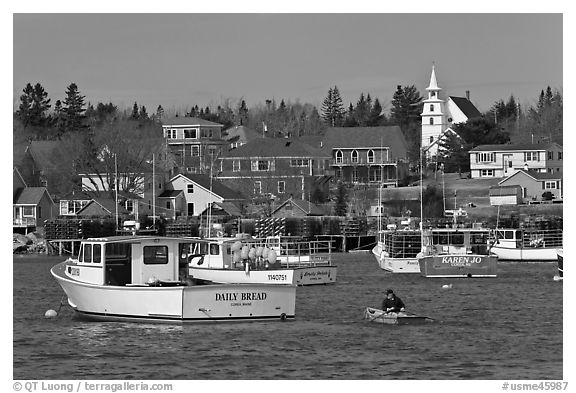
column 276, row 168
column 240, row 135
column 47, row 164
column 367, row 154
column 505, row 195
column 195, row 143
column 190, row 194
column 438, row 115
column 71, row 204
column 505, row 160
column 31, row 207
column 534, row 184
column 102, row 208
column 293, row 207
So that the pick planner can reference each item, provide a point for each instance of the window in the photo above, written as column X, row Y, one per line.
column 550, row 155
column 212, row 152
column 257, row 187
column 214, row 249
column 155, row 255
column 488, row 157
column 28, row 211
column 39, row 211
column 281, row 187
column 338, row 173
column 189, row 169
column 97, row 253
column 236, row 165
column 191, row 134
column 433, row 94
column 370, row 156
column 167, row 204
column 299, row 162
column 195, row 151
column 354, row 156
column 171, row 134
column 431, row 107
column 487, row 173
column 190, row 188
column 550, row 185
column 339, row 157
column 355, row 174
column 431, row 120
column 262, row 165
column 374, row 174
column 559, row 155
column 431, row 139
column 87, row 253
column 531, row 156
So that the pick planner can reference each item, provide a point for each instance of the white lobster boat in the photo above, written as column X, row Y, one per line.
column 230, row 260
column 146, row 279
column 397, row 251
column 526, row 244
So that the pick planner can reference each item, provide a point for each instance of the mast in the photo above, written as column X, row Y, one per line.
column 153, row 193
column 116, row 189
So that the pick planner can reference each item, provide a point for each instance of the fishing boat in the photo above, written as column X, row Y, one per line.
column 457, row 252
column 526, row 244
column 230, row 260
column 397, row 251
column 146, row 279
column 392, row 318
column 560, row 255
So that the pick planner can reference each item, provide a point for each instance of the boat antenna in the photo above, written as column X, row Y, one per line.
column 153, row 193
column 116, row 190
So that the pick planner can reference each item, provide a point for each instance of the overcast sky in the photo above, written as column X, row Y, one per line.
column 178, row 60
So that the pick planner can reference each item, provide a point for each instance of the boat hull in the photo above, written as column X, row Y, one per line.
column 202, row 303
column 401, row 318
column 318, row 275
column 560, row 256
column 468, row 265
column 524, row 254
column 395, row 265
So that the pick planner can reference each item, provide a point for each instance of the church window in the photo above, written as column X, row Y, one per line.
column 431, row 120
column 431, row 107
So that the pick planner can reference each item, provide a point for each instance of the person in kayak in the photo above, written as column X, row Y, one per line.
column 392, row 303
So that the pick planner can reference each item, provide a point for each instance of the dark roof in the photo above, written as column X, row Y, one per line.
column 106, row 204
column 504, row 190
column 358, row 137
column 538, row 176
column 307, row 207
column 518, row 146
column 88, row 195
column 401, row 194
column 467, row 107
column 30, row 195
column 170, row 194
column 275, row 147
column 227, row 207
column 189, row 121
column 240, row 132
column 47, row 154
column 217, row 187
column 312, row 140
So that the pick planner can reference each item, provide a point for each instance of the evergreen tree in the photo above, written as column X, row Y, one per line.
column 327, row 109
column 159, row 112
column 337, row 106
column 332, row 108
column 40, row 106
column 242, row 113
column 73, row 108
column 375, row 117
column 135, row 114
column 143, row 114
column 362, row 110
column 341, row 200
column 406, row 106
column 25, row 108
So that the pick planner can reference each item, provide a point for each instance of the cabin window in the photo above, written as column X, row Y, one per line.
column 97, row 253
column 370, row 156
column 214, row 249
column 509, row 235
column 457, row 239
column 117, row 251
column 478, row 238
column 440, row 238
column 354, row 156
column 87, row 253
column 155, row 255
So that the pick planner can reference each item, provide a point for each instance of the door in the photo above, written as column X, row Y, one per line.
column 507, row 164
column 190, row 209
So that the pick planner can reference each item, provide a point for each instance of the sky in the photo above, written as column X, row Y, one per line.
column 179, row 60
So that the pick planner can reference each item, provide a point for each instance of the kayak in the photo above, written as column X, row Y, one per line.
column 392, row 318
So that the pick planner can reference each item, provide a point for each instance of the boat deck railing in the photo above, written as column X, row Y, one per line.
column 298, row 253
column 536, row 238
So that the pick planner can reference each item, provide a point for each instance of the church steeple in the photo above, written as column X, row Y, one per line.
column 433, row 84
column 433, row 116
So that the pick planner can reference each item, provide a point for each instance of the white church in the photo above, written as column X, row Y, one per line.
column 439, row 115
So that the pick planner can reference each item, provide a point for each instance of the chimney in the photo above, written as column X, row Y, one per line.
column 468, row 95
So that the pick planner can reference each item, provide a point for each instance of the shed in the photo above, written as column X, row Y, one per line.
column 297, row 208
column 505, row 195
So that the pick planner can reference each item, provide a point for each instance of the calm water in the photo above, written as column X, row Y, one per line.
column 508, row 327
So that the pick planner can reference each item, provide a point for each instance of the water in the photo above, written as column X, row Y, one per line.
column 508, row 327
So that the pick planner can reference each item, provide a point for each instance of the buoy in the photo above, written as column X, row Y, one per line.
column 557, row 278
column 244, row 252
column 236, row 246
column 50, row 314
column 236, row 256
column 265, row 252
column 259, row 250
column 447, row 286
column 252, row 254
column 272, row 257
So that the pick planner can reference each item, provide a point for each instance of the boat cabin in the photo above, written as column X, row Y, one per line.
column 525, row 238
column 213, row 253
column 132, row 261
column 456, row 241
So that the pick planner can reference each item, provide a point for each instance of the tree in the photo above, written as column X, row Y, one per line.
column 159, row 112
column 376, row 118
column 406, row 106
column 341, row 200
column 480, row 131
column 25, row 108
column 135, row 114
column 40, row 106
column 242, row 113
column 453, row 153
column 73, row 108
column 332, row 108
column 143, row 115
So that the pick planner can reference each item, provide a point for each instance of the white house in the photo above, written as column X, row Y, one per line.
column 199, row 191
column 505, row 160
column 438, row 115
